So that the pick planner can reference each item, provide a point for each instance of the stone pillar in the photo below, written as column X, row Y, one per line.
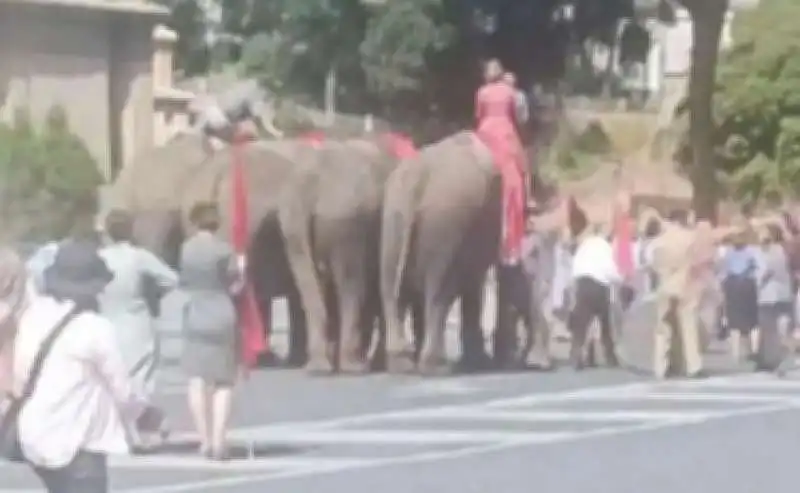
column 164, row 41
column 677, row 64
column 655, row 59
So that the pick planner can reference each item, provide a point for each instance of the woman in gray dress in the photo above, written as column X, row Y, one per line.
column 210, row 278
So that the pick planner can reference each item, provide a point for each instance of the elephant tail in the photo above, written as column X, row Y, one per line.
column 398, row 222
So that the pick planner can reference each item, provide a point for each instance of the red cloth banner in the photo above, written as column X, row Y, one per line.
column 251, row 322
column 623, row 242
column 401, row 145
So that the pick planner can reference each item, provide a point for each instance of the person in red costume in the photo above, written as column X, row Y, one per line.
column 495, row 112
column 623, row 233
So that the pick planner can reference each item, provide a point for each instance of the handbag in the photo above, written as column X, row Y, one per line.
column 10, row 449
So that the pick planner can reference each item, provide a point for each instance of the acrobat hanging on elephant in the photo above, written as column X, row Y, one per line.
column 219, row 118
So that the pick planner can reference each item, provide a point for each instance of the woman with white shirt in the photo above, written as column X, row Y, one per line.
column 74, row 417
column 594, row 274
column 123, row 302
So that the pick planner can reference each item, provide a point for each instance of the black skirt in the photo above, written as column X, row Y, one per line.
column 741, row 302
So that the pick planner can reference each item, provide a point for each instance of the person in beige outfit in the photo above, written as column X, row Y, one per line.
column 678, row 297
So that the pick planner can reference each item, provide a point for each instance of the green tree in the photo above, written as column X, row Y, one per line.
column 756, row 132
column 43, row 176
column 187, row 19
column 303, row 43
column 708, row 17
column 400, row 41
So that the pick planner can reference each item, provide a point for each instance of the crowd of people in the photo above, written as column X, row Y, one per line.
column 79, row 350
column 737, row 282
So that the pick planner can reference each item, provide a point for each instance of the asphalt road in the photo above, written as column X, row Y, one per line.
column 599, row 430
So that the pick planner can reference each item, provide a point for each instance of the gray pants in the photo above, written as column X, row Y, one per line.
column 87, row 473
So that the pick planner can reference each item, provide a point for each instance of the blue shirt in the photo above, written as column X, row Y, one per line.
column 739, row 262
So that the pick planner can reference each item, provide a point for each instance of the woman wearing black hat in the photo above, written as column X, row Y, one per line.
column 73, row 391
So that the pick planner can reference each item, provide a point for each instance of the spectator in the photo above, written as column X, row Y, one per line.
column 775, row 297
column 594, row 274
column 677, row 299
column 124, row 303
column 74, row 417
column 209, row 275
column 740, row 292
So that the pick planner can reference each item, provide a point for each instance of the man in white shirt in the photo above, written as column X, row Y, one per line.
column 594, row 274
column 74, row 417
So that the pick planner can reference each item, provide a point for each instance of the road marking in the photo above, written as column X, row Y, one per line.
column 229, row 482
column 248, row 432
column 571, row 416
column 700, row 397
column 260, row 464
column 449, row 387
column 264, row 469
column 772, row 384
column 407, row 437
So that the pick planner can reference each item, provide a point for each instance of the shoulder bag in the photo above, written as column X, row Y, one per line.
column 10, row 449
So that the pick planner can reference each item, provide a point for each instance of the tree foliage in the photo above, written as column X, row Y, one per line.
column 757, row 105
column 188, row 20
column 43, row 176
column 397, row 55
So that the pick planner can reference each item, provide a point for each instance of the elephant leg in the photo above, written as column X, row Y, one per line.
column 268, row 358
column 374, row 338
column 298, row 332
column 349, row 280
column 537, row 353
column 418, row 325
column 473, row 351
column 313, row 296
column 505, row 342
column 373, row 330
column 439, row 296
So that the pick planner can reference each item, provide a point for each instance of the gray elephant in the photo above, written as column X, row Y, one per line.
column 330, row 217
column 440, row 234
column 162, row 186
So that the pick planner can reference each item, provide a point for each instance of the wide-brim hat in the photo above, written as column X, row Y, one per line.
column 78, row 272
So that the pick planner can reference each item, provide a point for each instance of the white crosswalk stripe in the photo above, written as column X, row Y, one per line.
column 528, row 420
column 421, row 434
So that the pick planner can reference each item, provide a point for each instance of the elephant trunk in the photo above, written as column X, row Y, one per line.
column 295, row 215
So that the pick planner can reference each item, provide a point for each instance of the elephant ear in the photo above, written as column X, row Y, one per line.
column 203, row 184
column 268, row 166
column 151, row 181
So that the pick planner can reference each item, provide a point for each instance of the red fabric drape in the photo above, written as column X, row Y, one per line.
column 401, row 145
column 252, row 323
column 314, row 137
column 623, row 243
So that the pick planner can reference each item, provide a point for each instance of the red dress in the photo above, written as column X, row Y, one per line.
column 495, row 114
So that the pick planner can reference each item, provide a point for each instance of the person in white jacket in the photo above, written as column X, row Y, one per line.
column 83, row 397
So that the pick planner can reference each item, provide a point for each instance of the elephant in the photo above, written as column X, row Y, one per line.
column 330, row 219
column 440, row 235
column 161, row 186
